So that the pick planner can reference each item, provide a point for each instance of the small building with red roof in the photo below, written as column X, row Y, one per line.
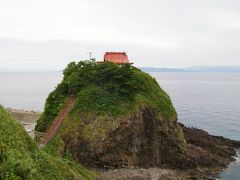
column 116, row 58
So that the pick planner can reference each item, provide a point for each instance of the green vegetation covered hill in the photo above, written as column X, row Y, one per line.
column 106, row 89
column 121, row 117
column 21, row 159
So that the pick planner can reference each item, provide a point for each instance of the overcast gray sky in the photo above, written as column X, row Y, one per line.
column 47, row 34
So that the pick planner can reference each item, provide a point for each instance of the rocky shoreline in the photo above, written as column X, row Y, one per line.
column 143, row 174
column 212, row 154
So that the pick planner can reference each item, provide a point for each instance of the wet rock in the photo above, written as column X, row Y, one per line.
column 208, row 150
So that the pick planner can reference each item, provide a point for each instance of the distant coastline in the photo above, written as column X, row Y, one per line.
column 220, row 69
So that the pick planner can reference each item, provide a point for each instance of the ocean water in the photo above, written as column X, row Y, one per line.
column 27, row 91
column 210, row 101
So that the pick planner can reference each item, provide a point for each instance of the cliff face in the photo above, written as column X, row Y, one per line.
column 141, row 140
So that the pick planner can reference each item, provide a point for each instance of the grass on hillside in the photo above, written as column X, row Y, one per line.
column 21, row 159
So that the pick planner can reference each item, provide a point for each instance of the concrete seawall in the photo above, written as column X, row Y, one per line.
column 27, row 118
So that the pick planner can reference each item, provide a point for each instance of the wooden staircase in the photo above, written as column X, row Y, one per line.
column 58, row 121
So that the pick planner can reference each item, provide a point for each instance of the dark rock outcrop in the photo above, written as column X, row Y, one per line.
column 143, row 140
column 205, row 150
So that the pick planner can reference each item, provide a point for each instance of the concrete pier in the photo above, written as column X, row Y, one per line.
column 27, row 118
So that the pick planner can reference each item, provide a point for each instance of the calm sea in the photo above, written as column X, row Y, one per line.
column 27, row 91
column 210, row 101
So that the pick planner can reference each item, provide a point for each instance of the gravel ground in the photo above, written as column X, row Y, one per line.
column 142, row 174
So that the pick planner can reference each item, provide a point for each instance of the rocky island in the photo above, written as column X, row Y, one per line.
column 122, row 125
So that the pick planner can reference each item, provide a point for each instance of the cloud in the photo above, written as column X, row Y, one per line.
column 48, row 34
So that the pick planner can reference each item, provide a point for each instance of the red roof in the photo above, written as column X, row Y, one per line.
column 116, row 57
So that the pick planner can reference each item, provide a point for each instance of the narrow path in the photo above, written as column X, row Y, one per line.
column 58, row 121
